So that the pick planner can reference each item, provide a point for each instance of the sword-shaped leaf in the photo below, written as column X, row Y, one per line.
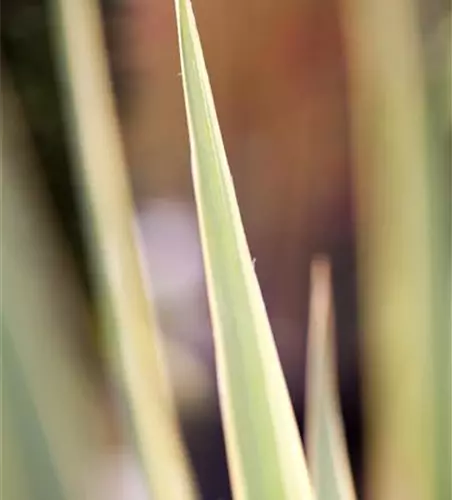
column 130, row 328
column 265, row 455
column 326, row 447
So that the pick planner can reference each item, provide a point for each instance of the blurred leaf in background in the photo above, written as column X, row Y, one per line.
column 131, row 333
column 404, row 253
column 438, row 63
column 53, row 426
column 26, row 46
column 328, row 458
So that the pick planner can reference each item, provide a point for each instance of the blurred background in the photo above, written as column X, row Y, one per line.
column 280, row 79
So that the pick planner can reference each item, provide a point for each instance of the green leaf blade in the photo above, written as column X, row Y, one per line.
column 51, row 428
column 265, row 455
column 132, row 336
column 326, row 447
column 395, row 246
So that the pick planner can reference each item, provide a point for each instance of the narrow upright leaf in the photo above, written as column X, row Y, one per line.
column 129, row 322
column 388, row 113
column 326, row 447
column 51, row 432
column 266, row 459
column 438, row 64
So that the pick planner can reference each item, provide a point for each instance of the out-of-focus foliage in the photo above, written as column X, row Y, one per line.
column 51, row 429
column 438, row 68
column 404, row 243
column 326, row 448
column 26, row 46
column 129, row 325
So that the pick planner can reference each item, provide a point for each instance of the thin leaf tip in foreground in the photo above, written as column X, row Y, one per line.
column 265, row 456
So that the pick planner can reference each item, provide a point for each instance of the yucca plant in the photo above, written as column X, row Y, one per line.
column 265, row 455
column 266, row 458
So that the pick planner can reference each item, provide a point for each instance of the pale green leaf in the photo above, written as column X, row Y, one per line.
column 326, row 447
column 52, row 434
column 265, row 455
column 389, row 134
column 129, row 322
